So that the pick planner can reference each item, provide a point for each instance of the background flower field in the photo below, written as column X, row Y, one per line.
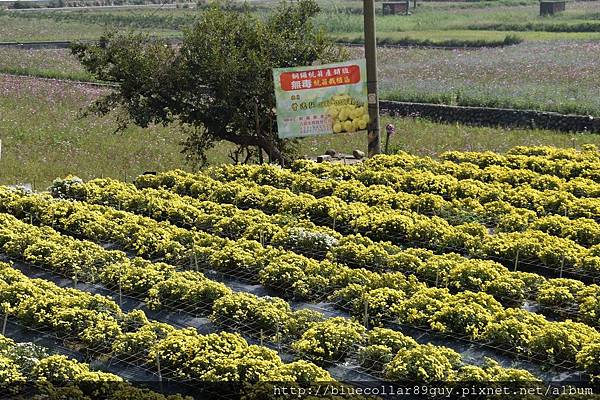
column 553, row 69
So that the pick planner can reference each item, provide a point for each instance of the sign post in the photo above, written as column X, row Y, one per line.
column 390, row 129
column 371, row 56
column 319, row 100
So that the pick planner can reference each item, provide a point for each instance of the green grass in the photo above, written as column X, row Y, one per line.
column 468, row 35
column 14, row 28
column 44, row 138
column 468, row 5
column 420, row 136
column 29, row 29
column 540, row 26
column 487, row 22
column 445, row 41
column 164, row 19
column 440, row 22
column 47, row 63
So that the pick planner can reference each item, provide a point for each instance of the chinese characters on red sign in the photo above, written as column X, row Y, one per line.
column 320, row 78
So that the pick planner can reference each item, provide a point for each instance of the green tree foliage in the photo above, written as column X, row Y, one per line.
column 218, row 83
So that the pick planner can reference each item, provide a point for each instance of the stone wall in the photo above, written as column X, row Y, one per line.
column 482, row 116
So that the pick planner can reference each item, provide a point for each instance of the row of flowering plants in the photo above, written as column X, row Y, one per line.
column 495, row 205
column 151, row 239
column 34, row 370
column 97, row 325
column 563, row 163
column 315, row 338
column 407, row 228
column 477, row 316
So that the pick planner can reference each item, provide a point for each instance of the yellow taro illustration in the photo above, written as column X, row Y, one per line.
column 347, row 114
column 337, row 127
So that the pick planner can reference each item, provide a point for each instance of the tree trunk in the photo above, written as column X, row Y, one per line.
column 264, row 143
column 260, row 155
column 273, row 151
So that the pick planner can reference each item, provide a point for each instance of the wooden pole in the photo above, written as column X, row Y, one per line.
column 372, row 96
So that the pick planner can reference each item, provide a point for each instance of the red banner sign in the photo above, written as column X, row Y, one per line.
column 320, row 78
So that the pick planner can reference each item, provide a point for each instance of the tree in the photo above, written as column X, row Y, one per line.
column 218, row 83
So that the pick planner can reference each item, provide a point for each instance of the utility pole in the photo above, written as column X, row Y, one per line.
column 371, row 56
